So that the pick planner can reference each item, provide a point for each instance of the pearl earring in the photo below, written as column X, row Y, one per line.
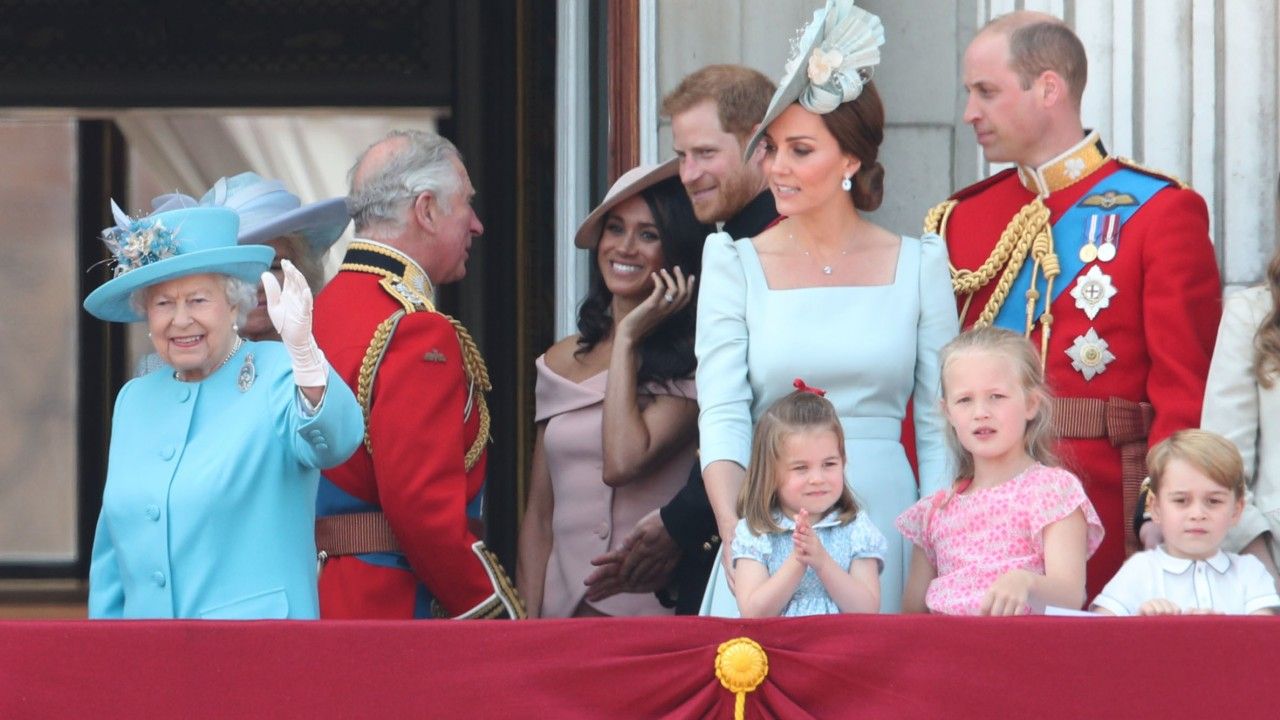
column 847, row 184
column 235, row 328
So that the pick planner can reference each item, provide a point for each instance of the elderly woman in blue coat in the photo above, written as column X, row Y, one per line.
column 208, row 510
column 271, row 215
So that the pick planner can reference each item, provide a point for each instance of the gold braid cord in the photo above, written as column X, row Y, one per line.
column 369, row 368
column 472, row 363
column 478, row 374
column 936, row 219
column 1028, row 234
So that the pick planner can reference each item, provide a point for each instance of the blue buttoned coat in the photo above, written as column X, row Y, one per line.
column 209, row 506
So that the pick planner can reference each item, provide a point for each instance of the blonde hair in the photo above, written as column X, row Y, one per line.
column 801, row 411
column 1209, row 453
column 1038, row 437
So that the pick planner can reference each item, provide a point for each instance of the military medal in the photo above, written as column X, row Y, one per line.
column 248, row 373
column 1089, row 251
column 1110, row 238
column 1090, row 354
column 1093, row 291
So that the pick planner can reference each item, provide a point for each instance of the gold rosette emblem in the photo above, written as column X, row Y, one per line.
column 741, row 665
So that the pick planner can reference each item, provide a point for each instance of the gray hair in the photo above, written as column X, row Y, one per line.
column 423, row 164
column 241, row 295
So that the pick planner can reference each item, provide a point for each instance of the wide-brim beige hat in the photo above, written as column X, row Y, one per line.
column 632, row 181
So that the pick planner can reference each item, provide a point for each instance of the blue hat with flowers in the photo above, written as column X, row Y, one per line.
column 830, row 63
column 167, row 245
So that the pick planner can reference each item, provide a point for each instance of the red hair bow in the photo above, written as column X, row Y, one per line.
column 799, row 385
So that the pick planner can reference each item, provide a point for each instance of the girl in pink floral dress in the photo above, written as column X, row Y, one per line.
column 1013, row 533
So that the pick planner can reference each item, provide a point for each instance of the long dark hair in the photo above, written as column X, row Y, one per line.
column 667, row 352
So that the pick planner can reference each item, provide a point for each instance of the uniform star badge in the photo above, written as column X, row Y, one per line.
column 1093, row 292
column 1089, row 354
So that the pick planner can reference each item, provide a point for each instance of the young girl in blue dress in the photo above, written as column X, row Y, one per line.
column 803, row 546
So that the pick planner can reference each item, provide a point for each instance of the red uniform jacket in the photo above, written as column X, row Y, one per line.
column 1160, row 325
column 411, row 466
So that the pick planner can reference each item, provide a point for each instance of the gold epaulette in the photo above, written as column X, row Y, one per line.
column 1127, row 162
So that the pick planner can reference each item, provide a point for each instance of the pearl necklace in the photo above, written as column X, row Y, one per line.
column 177, row 375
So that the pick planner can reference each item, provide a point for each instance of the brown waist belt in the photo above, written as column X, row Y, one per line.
column 366, row 532
column 1126, row 425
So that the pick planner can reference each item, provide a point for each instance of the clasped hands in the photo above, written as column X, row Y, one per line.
column 806, row 547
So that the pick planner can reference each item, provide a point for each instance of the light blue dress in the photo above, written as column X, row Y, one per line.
column 845, row 543
column 870, row 347
column 209, row 505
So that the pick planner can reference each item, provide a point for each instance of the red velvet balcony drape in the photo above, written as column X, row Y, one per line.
column 824, row 667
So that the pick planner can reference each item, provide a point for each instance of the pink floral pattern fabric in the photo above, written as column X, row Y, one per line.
column 974, row 538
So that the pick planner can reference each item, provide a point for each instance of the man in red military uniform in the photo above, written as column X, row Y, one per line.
column 399, row 525
column 1107, row 266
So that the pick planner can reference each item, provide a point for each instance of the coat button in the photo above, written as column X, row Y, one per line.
column 157, row 577
column 602, row 530
column 706, row 547
column 315, row 434
column 321, row 446
column 166, row 453
column 153, row 512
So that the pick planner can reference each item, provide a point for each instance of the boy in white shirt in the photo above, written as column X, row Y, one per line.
column 1197, row 495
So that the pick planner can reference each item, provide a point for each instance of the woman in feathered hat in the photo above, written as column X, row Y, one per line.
column 827, row 295
column 271, row 215
column 208, row 510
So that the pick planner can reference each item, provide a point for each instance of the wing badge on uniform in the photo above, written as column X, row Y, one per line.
column 1109, row 199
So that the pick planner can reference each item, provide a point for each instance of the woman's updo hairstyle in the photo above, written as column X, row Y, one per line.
column 858, row 126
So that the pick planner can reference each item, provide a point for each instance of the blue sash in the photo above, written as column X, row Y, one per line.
column 1069, row 236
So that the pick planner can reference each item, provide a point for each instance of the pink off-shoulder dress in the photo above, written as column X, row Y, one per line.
column 974, row 538
column 590, row 518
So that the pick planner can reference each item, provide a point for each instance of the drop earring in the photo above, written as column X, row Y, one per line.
column 235, row 328
column 847, row 184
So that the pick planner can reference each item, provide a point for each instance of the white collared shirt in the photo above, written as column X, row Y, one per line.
column 1227, row 583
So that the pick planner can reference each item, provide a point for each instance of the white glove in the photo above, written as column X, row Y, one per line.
column 290, row 312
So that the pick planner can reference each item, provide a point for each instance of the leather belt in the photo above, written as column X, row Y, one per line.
column 364, row 532
column 1126, row 425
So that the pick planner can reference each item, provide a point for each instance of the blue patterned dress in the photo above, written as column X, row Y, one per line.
column 843, row 542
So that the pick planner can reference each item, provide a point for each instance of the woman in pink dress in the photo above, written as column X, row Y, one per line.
column 1014, row 532
column 616, row 408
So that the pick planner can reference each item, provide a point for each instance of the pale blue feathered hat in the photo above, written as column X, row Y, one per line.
column 831, row 62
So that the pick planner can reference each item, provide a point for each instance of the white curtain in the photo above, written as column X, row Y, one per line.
column 309, row 150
